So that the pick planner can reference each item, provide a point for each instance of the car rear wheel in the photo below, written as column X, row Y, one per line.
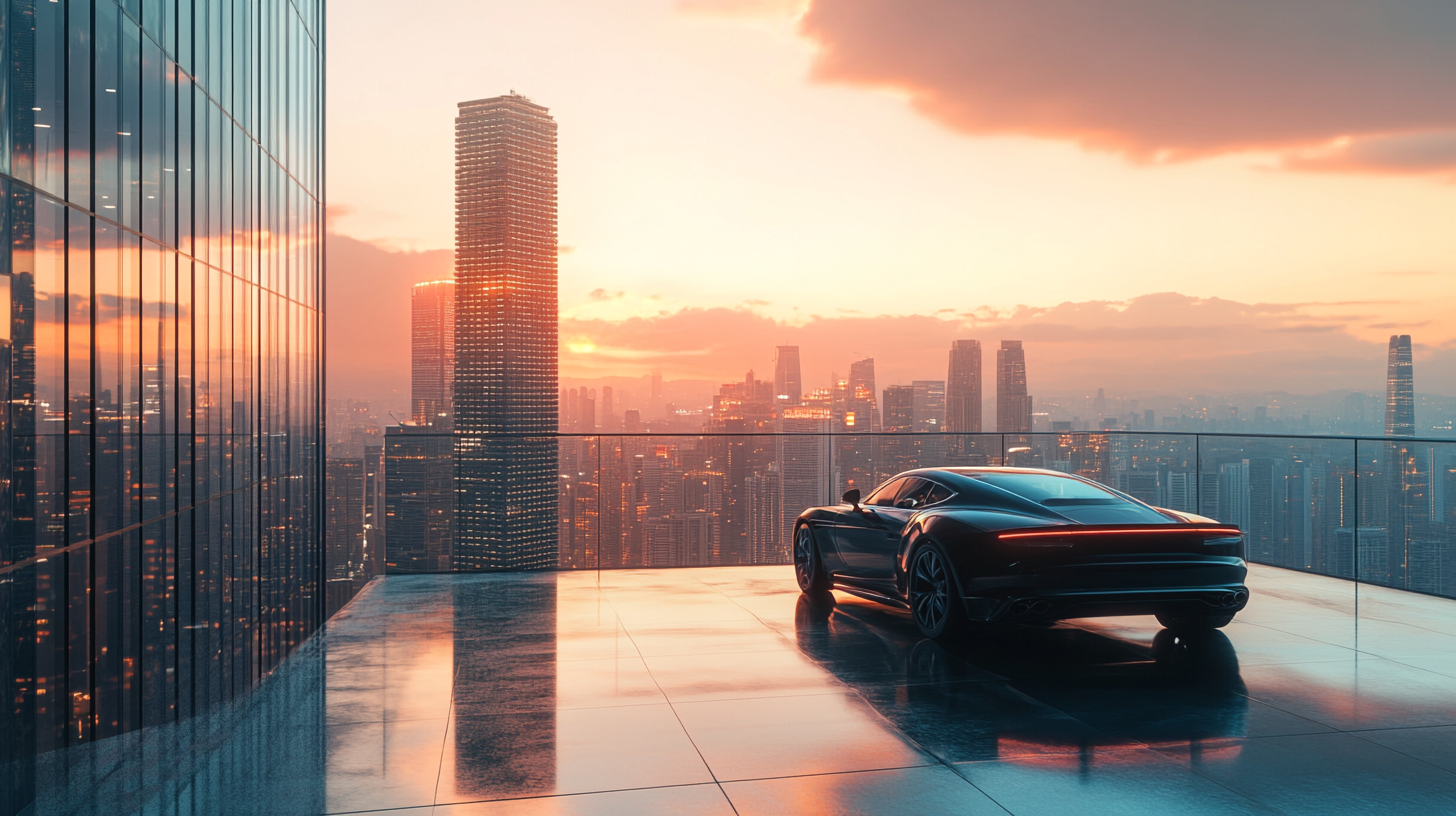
column 934, row 602
column 1194, row 623
column 808, row 566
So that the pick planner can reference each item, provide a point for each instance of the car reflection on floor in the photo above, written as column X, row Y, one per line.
column 1055, row 694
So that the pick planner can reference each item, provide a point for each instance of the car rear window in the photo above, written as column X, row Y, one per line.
column 1050, row 490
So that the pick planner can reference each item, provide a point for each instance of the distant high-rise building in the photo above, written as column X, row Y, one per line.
column 1400, row 393
column 862, row 403
column 899, row 414
column 788, row 384
column 802, row 453
column 963, row 388
column 419, row 500
column 1013, row 406
column 928, row 405
column 432, row 354
column 373, row 512
column 344, row 488
column 505, row 334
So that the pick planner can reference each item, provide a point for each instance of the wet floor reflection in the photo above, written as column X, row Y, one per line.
column 502, row 732
column 1029, row 692
column 724, row 690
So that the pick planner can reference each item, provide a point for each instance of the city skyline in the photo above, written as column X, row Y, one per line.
column 1292, row 269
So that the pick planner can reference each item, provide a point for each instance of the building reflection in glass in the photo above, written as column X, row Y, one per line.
column 161, row 209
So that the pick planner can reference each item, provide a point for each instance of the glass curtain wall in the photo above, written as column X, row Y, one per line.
column 161, row 286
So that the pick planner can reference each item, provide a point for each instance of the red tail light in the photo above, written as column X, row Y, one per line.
column 1062, row 533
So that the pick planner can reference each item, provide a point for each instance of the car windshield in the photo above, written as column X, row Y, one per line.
column 1048, row 489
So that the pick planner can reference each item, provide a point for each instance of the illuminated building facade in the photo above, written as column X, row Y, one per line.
column 432, row 354
column 963, row 388
column 1400, row 389
column 162, row 281
column 788, row 382
column 1013, row 406
column 505, row 334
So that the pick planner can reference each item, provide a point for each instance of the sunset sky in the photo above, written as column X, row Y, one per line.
column 1234, row 195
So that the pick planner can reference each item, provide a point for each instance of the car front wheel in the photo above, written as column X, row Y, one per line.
column 808, row 566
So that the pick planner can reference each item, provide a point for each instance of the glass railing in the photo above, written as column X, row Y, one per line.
column 1379, row 511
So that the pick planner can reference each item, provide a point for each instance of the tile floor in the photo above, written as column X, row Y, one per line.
column 723, row 690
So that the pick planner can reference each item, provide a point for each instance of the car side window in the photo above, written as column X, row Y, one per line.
column 885, row 496
column 914, row 495
column 938, row 494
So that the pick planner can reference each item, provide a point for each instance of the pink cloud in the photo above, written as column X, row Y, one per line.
column 1155, row 80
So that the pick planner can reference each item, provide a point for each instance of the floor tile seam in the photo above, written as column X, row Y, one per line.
column 680, row 724
column 1402, row 623
column 1304, row 637
column 791, row 650
column 1260, row 805
column 400, row 809
column 1400, row 728
column 444, row 738
column 884, row 769
column 1402, row 661
column 518, row 711
column 831, row 693
column 755, row 615
column 1341, row 733
column 1157, row 755
column 1281, row 709
column 596, row 792
column 1362, row 738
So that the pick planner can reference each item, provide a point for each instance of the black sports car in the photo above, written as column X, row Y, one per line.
column 956, row 545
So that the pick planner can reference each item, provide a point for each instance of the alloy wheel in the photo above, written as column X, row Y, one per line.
column 804, row 557
column 929, row 590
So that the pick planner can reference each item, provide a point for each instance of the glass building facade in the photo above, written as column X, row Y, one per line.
column 505, row 335
column 161, row 351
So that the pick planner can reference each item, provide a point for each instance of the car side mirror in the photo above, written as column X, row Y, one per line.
column 851, row 497
column 907, row 503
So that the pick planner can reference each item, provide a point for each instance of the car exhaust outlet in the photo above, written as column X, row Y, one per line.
column 1241, row 596
column 1020, row 607
column 1228, row 599
column 1040, row 607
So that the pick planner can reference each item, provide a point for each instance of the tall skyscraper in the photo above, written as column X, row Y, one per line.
column 432, row 354
column 1013, row 406
column 505, row 334
column 788, row 384
column 1400, row 391
column 161, row 305
column 963, row 388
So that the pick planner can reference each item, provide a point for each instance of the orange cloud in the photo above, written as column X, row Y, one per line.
column 1339, row 85
column 1165, row 343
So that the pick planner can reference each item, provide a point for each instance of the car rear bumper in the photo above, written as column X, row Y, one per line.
column 1101, row 603
column 1203, row 586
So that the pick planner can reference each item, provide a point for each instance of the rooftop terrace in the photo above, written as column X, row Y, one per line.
column 723, row 690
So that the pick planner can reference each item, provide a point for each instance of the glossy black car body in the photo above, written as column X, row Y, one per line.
column 954, row 545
